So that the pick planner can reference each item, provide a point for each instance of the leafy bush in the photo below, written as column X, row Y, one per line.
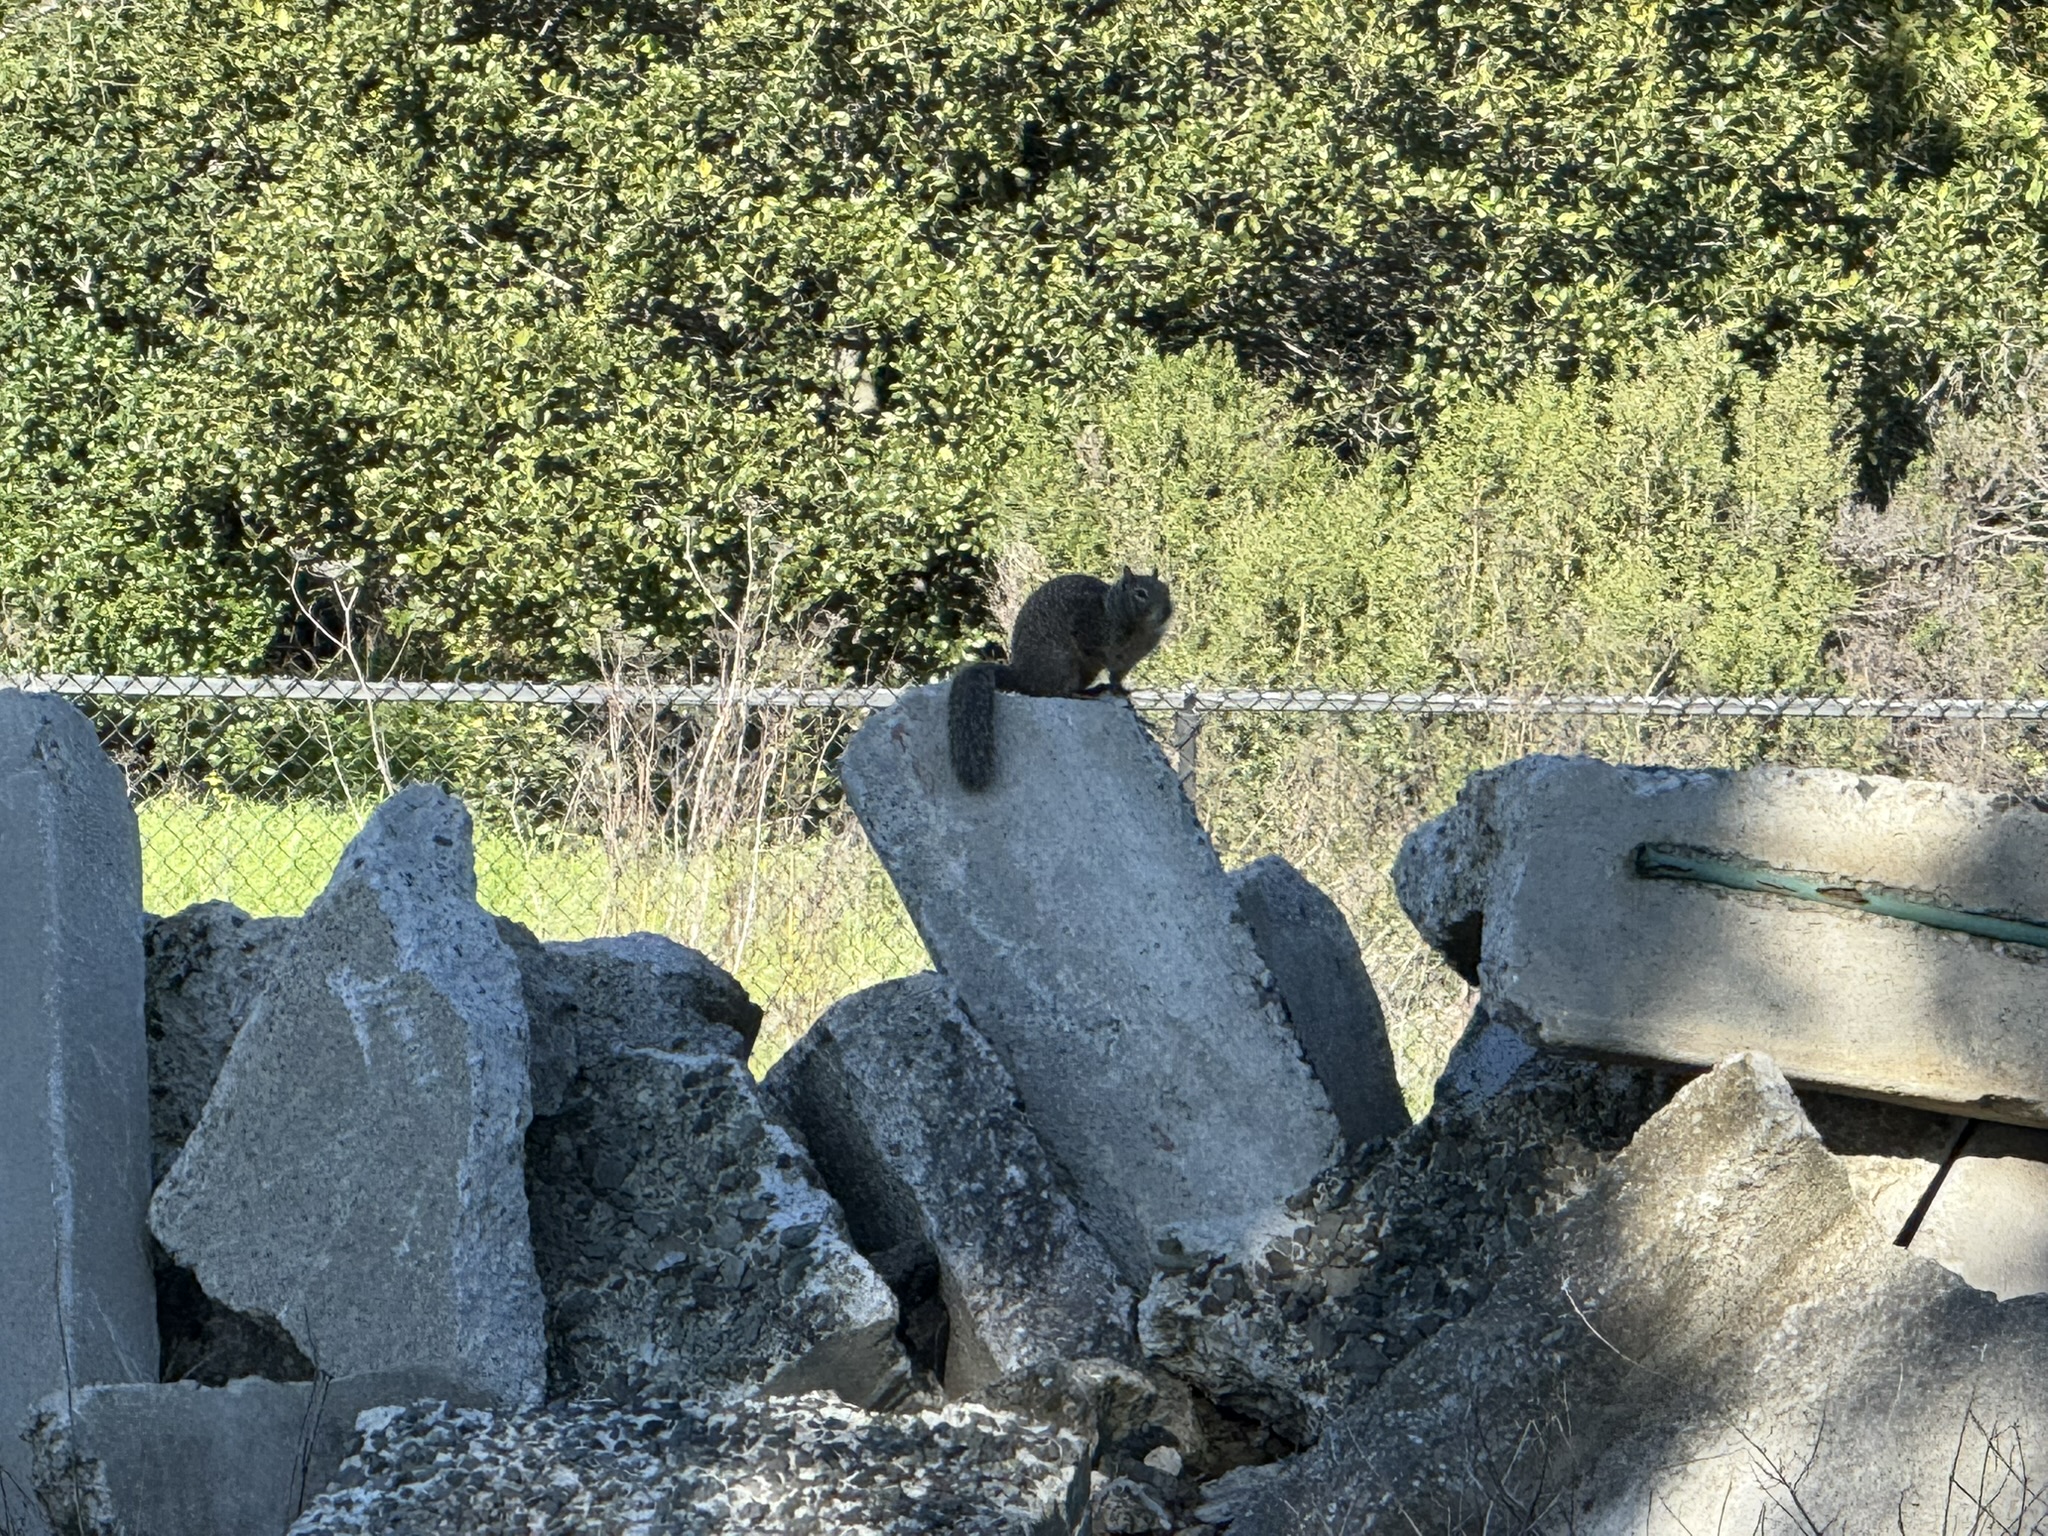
column 519, row 313
column 1666, row 529
column 1954, row 571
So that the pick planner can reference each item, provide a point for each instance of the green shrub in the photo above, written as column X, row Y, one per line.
column 1666, row 529
column 521, row 313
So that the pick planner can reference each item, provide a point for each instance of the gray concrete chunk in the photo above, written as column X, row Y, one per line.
column 1530, row 881
column 1081, row 913
column 914, row 1125
column 587, row 996
column 179, row 1459
column 357, row 1173
column 75, row 1289
column 1714, row 1326
column 787, row 1465
column 205, row 967
column 686, row 1247
column 1330, row 1001
column 1988, row 1222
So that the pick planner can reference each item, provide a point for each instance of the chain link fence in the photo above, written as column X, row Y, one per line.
column 712, row 814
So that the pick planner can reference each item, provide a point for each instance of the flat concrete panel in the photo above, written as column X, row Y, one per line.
column 1713, row 1329
column 75, row 1288
column 1081, row 913
column 1535, row 866
column 358, row 1173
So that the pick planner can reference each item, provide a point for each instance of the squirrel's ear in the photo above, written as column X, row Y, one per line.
column 1127, row 573
column 1155, row 573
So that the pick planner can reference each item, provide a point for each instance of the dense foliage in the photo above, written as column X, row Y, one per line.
column 497, row 324
column 1668, row 528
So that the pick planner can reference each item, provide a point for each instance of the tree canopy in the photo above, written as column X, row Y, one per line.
column 508, row 321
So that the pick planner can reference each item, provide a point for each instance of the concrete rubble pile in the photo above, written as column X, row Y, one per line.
column 1714, row 1335
column 1870, row 933
column 402, row 1152
column 969, row 1193
column 395, row 1218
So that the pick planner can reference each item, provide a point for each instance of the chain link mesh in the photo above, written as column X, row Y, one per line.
column 712, row 814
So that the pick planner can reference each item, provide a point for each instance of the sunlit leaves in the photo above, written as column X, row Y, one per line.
column 525, row 310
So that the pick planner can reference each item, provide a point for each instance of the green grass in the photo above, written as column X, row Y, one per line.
column 801, row 924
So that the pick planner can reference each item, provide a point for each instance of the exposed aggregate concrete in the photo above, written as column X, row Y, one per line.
column 686, row 1248
column 802, row 1466
column 1391, row 1244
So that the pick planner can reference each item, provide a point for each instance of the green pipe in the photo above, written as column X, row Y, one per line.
column 1672, row 861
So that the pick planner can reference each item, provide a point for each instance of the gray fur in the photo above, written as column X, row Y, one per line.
column 1068, row 633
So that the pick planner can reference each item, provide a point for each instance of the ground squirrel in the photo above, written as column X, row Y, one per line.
column 1069, row 631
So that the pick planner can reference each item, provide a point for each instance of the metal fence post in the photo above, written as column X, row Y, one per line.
column 1187, row 731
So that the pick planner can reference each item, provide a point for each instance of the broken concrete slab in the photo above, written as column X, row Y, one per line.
column 358, row 1172
column 1891, row 1153
column 1331, row 1004
column 204, row 968
column 1711, row 1326
column 179, row 1459
column 808, row 1464
column 587, row 996
column 913, row 1123
column 1383, row 1252
column 1532, row 884
column 75, row 1286
column 686, row 1247
column 1988, row 1222
column 1081, row 913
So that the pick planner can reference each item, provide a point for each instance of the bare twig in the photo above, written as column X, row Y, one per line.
column 348, row 636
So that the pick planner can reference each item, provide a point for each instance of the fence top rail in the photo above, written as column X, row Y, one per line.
column 1192, row 697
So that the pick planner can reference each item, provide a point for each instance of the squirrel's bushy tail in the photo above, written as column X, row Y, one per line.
column 971, row 723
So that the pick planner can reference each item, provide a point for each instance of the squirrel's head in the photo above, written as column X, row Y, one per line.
column 1145, row 598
